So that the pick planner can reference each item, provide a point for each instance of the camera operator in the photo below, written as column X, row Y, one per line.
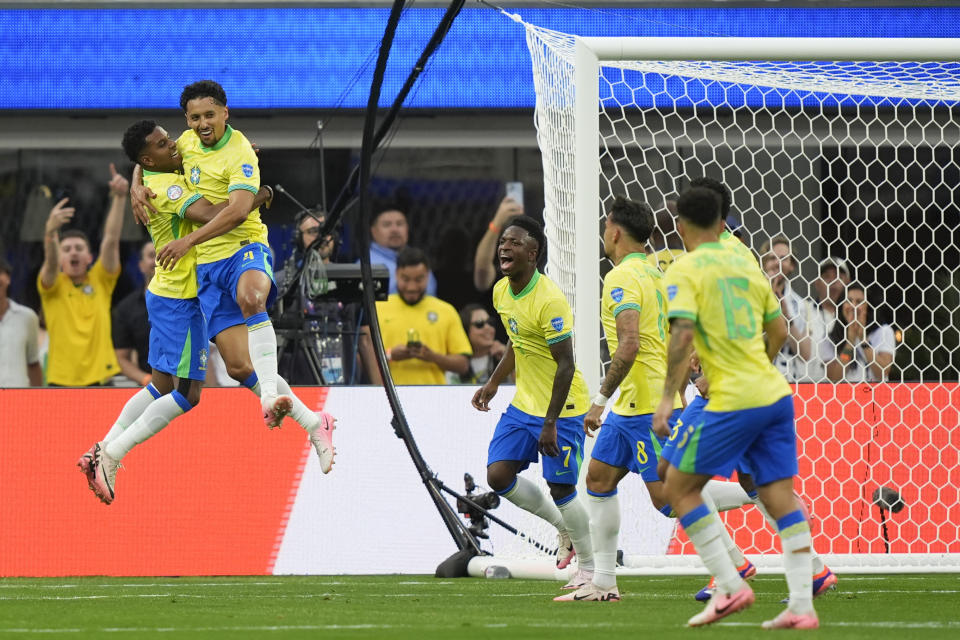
column 338, row 332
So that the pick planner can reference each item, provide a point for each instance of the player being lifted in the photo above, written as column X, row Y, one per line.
column 234, row 263
column 722, row 303
column 633, row 313
column 178, row 330
column 823, row 578
column 546, row 414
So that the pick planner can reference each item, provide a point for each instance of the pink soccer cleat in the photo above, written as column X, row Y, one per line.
column 565, row 550
column 86, row 465
column 721, row 605
column 104, row 473
column 275, row 410
column 747, row 571
column 322, row 440
column 590, row 593
column 790, row 620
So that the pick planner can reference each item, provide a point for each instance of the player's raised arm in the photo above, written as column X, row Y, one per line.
column 140, row 197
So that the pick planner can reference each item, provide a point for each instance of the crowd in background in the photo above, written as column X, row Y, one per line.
column 438, row 324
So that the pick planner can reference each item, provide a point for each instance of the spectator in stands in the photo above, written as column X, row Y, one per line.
column 19, row 357
column 828, row 290
column 328, row 318
column 131, row 328
column 76, row 296
column 484, row 269
column 796, row 351
column 859, row 349
column 423, row 335
column 390, row 233
column 487, row 350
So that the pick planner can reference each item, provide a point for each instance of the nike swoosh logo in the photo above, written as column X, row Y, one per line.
column 576, row 597
column 560, row 473
column 721, row 610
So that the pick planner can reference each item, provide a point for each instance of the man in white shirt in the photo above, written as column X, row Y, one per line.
column 858, row 349
column 829, row 291
column 19, row 357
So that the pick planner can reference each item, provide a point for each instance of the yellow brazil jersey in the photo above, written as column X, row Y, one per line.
column 635, row 284
column 729, row 298
column 174, row 197
column 536, row 318
column 664, row 258
column 78, row 323
column 730, row 241
column 215, row 171
column 438, row 326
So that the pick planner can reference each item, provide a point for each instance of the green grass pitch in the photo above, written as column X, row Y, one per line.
column 870, row 607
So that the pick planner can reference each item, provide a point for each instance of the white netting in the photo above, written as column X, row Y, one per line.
column 857, row 161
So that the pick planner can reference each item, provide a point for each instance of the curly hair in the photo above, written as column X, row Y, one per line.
column 203, row 89
column 135, row 138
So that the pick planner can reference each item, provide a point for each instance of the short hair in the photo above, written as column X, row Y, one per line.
column 726, row 199
column 5, row 266
column 135, row 138
column 384, row 210
column 635, row 217
column 767, row 246
column 535, row 230
column 700, row 206
column 203, row 89
column 411, row 256
column 75, row 233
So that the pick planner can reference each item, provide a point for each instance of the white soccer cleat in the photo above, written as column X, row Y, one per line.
column 104, row 473
column 790, row 620
column 565, row 550
column 275, row 409
column 591, row 593
column 322, row 440
column 580, row 579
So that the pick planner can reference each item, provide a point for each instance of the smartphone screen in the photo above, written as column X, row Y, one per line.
column 515, row 191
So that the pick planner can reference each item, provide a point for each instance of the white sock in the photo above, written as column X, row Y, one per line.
column 794, row 533
column 301, row 413
column 156, row 417
column 818, row 565
column 528, row 496
column 736, row 555
column 726, row 495
column 704, row 529
column 262, row 342
column 604, row 532
column 134, row 408
column 577, row 523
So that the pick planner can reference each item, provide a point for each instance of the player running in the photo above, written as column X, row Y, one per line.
column 178, row 330
column 546, row 414
column 723, row 304
column 234, row 263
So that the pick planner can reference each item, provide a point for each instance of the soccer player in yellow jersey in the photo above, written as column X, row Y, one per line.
column 234, row 263
column 546, row 414
column 722, row 303
column 178, row 330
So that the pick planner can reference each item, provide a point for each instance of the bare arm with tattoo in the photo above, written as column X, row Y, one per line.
column 628, row 343
column 678, row 369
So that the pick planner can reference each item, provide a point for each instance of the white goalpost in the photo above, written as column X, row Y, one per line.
column 850, row 148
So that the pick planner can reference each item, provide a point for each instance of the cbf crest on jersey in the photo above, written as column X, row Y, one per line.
column 671, row 292
column 432, row 317
column 557, row 324
column 247, row 169
column 616, row 294
column 174, row 192
column 513, row 325
column 195, row 175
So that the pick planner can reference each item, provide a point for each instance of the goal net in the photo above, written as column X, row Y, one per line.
column 856, row 164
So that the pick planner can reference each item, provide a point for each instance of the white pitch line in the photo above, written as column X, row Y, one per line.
column 893, row 624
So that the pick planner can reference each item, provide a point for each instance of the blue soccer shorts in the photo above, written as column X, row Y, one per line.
column 518, row 434
column 628, row 442
column 178, row 336
column 763, row 437
column 218, row 280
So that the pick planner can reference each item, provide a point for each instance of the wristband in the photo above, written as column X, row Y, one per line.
column 493, row 227
column 600, row 400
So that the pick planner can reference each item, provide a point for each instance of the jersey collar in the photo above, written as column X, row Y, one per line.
column 725, row 234
column 709, row 245
column 527, row 289
column 221, row 142
column 633, row 256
